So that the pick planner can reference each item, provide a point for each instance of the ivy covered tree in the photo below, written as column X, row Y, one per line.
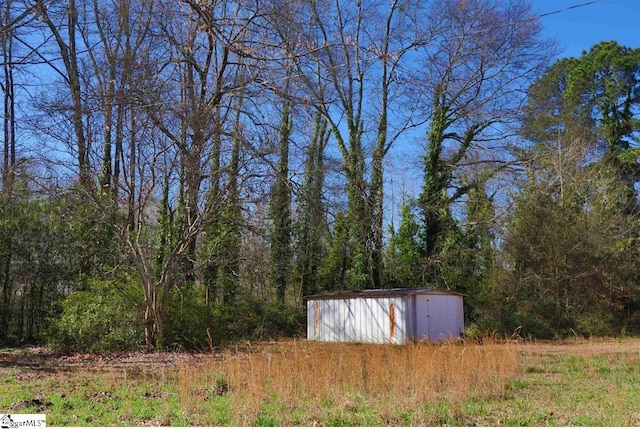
column 280, row 212
column 310, row 230
column 473, row 74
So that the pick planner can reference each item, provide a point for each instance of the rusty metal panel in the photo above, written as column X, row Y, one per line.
column 392, row 321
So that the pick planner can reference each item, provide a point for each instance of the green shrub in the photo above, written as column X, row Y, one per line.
column 190, row 323
column 253, row 318
column 95, row 321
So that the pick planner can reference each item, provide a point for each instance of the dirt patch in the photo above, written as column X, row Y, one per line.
column 31, row 362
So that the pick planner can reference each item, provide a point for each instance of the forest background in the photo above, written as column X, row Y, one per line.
column 181, row 174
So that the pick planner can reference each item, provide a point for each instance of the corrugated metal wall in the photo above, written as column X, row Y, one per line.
column 369, row 320
column 395, row 319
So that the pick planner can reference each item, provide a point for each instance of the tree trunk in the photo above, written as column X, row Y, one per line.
column 312, row 221
column 280, row 206
column 69, row 55
column 9, row 122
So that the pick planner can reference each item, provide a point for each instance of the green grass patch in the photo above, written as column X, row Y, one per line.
column 590, row 384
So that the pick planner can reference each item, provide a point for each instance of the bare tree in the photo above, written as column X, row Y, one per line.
column 202, row 68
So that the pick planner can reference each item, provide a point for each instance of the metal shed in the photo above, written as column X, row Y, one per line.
column 396, row 316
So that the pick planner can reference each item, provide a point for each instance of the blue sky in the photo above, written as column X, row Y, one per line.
column 579, row 28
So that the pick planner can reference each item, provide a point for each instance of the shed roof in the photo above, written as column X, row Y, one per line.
column 381, row 293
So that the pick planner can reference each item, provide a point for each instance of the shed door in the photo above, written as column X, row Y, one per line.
column 442, row 317
column 436, row 317
column 422, row 317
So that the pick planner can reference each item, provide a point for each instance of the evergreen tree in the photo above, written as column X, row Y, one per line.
column 334, row 268
column 405, row 253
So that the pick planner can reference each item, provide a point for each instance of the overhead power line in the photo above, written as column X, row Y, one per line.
column 565, row 9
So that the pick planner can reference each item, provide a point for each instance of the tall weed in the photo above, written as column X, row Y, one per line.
column 313, row 383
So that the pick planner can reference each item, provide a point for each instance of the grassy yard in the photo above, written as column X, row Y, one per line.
column 594, row 383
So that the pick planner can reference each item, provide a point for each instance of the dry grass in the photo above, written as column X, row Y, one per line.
column 568, row 383
column 301, row 383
